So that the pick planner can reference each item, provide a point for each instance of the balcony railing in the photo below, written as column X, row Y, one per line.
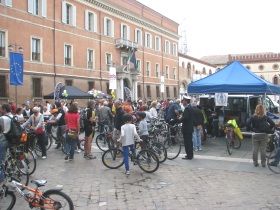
column 124, row 43
column 35, row 56
column 68, row 61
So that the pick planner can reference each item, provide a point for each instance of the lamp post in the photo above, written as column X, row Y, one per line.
column 20, row 49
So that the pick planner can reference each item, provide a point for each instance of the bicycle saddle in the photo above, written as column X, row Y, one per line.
column 39, row 183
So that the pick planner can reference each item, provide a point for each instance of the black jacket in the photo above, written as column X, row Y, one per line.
column 256, row 124
column 188, row 119
column 198, row 117
column 119, row 118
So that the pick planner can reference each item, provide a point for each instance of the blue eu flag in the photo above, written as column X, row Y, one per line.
column 16, row 69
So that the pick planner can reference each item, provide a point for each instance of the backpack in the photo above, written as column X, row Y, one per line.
column 15, row 132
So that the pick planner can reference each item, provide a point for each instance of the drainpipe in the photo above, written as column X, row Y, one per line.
column 54, row 41
column 143, row 80
column 100, row 60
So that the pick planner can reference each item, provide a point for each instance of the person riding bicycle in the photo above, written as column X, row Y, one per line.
column 51, row 122
column 127, row 138
column 60, row 120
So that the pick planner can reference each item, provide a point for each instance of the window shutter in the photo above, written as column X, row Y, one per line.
column 122, row 31
column 135, row 35
column 63, row 12
column 30, row 6
column 105, row 26
column 113, row 28
column 44, row 8
column 86, row 19
column 156, row 43
column 9, row 3
column 95, row 23
column 141, row 38
column 74, row 15
column 159, row 44
column 146, row 36
column 128, row 32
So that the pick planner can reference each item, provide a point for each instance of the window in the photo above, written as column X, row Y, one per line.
column 68, row 13
column 148, row 69
column 124, row 57
column 125, row 31
column 248, row 67
column 3, row 86
column 148, row 40
column 149, row 91
column 38, row 7
column 174, row 73
column 90, row 85
column 210, row 72
column 157, row 91
column 108, row 91
column 174, row 49
column 157, row 43
column 275, row 66
column 6, row 2
column 37, row 87
column 275, row 80
column 2, row 44
column 167, row 72
column 203, row 70
column 167, row 92
column 67, row 55
column 261, row 67
column 90, row 57
column 108, row 27
column 139, row 65
column 36, row 49
column 157, row 70
column 138, row 36
column 68, row 82
column 139, row 91
column 108, row 60
column 175, row 92
column 90, row 21
column 167, row 47
column 189, row 70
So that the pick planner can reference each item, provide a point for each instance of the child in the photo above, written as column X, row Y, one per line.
column 143, row 129
column 128, row 132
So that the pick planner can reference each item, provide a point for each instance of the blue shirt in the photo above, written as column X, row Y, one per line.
column 171, row 112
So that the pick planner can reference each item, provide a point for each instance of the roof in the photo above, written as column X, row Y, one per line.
column 73, row 93
column 215, row 59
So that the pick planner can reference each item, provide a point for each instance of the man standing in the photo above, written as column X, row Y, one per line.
column 198, row 124
column 105, row 115
column 187, row 127
column 61, row 125
column 118, row 120
column 89, row 123
column 172, row 117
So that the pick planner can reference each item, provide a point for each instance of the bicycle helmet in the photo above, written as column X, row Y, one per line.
column 142, row 115
column 127, row 118
column 53, row 111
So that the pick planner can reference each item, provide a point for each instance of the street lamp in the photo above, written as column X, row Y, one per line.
column 20, row 49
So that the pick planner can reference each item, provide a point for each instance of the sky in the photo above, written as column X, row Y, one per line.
column 218, row 27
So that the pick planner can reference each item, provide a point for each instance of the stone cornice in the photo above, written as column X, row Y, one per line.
column 131, row 17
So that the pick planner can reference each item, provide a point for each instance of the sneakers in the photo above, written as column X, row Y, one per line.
column 44, row 157
column 196, row 150
column 199, row 149
column 71, row 159
column 127, row 173
column 273, row 163
column 66, row 157
column 90, row 157
column 78, row 151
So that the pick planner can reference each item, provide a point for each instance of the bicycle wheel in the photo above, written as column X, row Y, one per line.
column 13, row 171
column 55, row 199
column 113, row 158
column 147, row 161
column 37, row 148
column 271, row 145
column 229, row 144
column 82, row 144
column 27, row 163
column 63, row 145
column 173, row 147
column 160, row 151
column 101, row 142
column 236, row 141
column 275, row 169
column 7, row 200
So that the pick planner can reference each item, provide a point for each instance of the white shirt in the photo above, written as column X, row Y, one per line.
column 128, row 132
column 153, row 112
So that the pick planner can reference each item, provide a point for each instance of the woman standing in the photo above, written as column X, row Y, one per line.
column 72, row 120
column 153, row 110
column 257, row 124
column 36, row 121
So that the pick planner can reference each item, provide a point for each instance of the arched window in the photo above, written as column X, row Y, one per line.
column 210, row 72
column 189, row 69
column 275, row 80
column 203, row 70
column 196, row 71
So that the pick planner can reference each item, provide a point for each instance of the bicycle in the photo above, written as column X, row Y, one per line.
column 272, row 142
column 58, row 139
column 156, row 148
column 232, row 139
column 104, row 141
column 145, row 159
column 50, row 199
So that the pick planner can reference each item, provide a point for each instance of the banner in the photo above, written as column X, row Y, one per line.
column 56, row 92
column 221, row 99
column 127, row 93
column 16, row 68
column 113, row 79
column 162, row 84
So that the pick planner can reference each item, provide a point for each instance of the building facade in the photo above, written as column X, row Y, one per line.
column 192, row 69
column 75, row 42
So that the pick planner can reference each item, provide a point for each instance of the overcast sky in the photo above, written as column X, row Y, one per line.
column 216, row 27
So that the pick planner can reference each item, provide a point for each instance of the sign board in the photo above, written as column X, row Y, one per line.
column 113, row 79
column 221, row 99
column 162, row 84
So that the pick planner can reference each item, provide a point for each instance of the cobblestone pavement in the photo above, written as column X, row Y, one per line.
column 212, row 180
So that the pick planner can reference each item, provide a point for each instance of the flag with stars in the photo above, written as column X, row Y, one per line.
column 16, row 68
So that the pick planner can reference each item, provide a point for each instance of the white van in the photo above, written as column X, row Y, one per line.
column 241, row 107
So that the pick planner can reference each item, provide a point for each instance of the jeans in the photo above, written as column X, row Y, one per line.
column 70, row 145
column 60, row 132
column 104, row 122
column 41, row 142
column 126, row 155
column 215, row 124
column 3, row 148
column 259, row 143
column 196, row 138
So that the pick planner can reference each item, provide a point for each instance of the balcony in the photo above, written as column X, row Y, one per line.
column 123, row 43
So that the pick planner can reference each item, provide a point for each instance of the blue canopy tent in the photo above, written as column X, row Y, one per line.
column 233, row 79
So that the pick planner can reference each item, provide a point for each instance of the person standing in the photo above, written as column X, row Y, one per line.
column 118, row 122
column 36, row 121
column 198, row 124
column 215, row 122
column 153, row 110
column 259, row 138
column 60, row 121
column 187, row 127
column 89, row 123
column 105, row 116
column 72, row 119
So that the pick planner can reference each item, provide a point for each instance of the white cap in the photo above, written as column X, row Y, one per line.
column 186, row 97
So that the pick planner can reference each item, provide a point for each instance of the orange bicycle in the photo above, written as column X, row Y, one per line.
column 50, row 199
